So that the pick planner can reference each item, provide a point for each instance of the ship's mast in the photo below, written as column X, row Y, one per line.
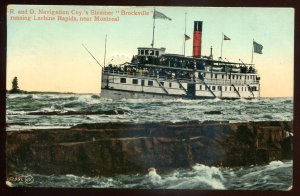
column 252, row 51
column 184, row 35
column 158, row 15
column 222, row 45
column 152, row 44
column 105, row 50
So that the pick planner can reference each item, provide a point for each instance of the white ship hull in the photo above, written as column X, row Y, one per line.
column 120, row 94
column 118, row 86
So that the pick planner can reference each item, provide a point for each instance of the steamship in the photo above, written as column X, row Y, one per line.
column 153, row 73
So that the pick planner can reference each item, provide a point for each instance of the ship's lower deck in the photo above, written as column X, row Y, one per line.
column 138, row 87
column 123, row 94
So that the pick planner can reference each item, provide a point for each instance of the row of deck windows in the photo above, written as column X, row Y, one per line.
column 150, row 82
column 225, row 88
column 201, row 87
column 231, row 76
column 149, row 52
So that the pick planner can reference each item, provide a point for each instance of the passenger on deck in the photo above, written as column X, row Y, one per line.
column 129, row 71
column 195, row 65
column 250, row 69
column 145, row 72
column 200, row 76
column 183, row 64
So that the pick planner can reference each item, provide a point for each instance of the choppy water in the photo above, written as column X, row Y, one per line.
column 276, row 175
column 138, row 110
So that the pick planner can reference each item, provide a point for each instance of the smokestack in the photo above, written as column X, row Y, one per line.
column 197, row 39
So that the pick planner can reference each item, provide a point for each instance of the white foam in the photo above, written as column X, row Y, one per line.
column 210, row 172
column 142, row 100
column 290, row 188
column 71, row 176
column 88, row 99
column 153, row 177
column 215, row 100
column 276, row 163
column 36, row 96
column 215, row 184
column 209, row 175
column 8, row 183
column 202, row 177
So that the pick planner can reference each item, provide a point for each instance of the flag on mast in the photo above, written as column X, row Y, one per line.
column 160, row 15
column 257, row 48
column 186, row 37
column 226, row 38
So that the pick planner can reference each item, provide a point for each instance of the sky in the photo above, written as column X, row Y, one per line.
column 47, row 55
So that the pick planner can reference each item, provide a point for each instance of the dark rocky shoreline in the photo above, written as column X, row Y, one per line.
column 103, row 149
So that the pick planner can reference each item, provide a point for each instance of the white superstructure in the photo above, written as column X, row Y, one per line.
column 160, row 75
column 153, row 73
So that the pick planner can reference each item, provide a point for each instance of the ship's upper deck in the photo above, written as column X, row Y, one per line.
column 158, row 57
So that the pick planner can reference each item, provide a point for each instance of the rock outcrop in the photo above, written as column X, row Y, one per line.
column 111, row 148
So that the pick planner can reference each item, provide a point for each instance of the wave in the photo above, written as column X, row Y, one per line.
column 276, row 175
column 200, row 177
column 19, row 96
column 78, row 112
column 153, row 178
column 144, row 110
column 210, row 175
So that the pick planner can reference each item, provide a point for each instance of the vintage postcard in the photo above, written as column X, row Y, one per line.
column 149, row 97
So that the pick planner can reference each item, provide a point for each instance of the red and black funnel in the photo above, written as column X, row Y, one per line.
column 197, row 39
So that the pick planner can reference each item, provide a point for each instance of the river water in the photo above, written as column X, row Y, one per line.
column 39, row 111
column 137, row 110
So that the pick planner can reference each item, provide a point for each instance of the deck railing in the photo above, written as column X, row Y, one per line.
column 229, row 82
column 206, row 80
